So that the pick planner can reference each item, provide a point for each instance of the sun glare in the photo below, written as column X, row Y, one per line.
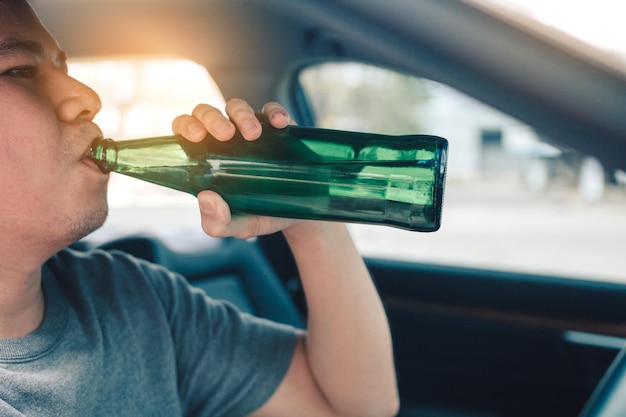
column 140, row 98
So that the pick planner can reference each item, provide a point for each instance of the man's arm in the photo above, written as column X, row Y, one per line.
column 343, row 365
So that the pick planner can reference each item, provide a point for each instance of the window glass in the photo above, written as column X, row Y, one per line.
column 513, row 201
column 140, row 98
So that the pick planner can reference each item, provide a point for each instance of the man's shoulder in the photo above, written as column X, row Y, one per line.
column 108, row 274
column 98, row 261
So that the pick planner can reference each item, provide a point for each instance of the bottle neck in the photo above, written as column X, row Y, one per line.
column 163, row 151
column 104, row 153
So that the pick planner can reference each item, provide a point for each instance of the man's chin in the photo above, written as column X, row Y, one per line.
column 87, row 225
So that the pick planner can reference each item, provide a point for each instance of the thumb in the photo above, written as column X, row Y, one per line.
column 217, row 220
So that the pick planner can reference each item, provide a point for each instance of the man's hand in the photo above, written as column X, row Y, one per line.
column 216, row 216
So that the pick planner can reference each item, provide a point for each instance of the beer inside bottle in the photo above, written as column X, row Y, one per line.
column 298, row 172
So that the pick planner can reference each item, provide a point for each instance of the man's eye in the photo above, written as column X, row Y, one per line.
column 22, row 72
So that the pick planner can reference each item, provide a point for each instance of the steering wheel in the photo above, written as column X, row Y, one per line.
column 609, row 397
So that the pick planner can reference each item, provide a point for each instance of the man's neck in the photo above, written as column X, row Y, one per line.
column 21, row 304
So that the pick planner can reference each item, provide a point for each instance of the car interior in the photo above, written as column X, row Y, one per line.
column 468, row 340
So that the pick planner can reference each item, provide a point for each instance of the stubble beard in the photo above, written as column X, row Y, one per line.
column 88, row 222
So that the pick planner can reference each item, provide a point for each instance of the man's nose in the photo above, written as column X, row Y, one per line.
column 77, row 101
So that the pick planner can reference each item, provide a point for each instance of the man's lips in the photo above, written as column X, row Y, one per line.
column 92, row 165
column 93, row 131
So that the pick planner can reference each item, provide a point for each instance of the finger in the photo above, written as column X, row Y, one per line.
column 244, row 118
column 217, row 220
column 215, row 214
column 247, row 226
column 276, row 115
column 189, row 127
column 214, row 122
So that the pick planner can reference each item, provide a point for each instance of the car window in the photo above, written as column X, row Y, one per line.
column 513, row 201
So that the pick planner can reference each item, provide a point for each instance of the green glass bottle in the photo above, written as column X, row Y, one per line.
column 298, row 172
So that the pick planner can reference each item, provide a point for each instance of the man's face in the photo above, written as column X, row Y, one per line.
column 50, row 193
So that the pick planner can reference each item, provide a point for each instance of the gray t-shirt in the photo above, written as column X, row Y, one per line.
column 123, row 337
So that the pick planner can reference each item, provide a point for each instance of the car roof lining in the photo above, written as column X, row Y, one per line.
column 580, row 108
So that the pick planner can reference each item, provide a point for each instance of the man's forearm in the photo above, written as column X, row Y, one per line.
column 348, row 343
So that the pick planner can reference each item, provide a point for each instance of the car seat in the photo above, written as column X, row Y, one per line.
column 228, row 269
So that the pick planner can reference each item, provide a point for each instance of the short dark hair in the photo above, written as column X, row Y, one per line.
column 13, row 5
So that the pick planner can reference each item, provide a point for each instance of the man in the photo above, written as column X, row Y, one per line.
column 105, row 334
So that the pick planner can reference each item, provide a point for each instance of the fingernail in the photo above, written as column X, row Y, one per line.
column 279, row 113
column 248, row 125
column 207, row 207
column 249, row 130
column 195, row 128
column 221, row 128
column 279, row 117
